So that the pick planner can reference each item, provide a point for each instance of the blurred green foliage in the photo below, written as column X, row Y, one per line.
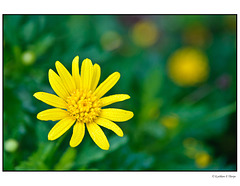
column 174, row 128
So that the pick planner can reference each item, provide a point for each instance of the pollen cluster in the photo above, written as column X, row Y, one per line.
column 84, row 106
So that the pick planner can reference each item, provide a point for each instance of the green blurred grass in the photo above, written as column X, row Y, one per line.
column 205, row 113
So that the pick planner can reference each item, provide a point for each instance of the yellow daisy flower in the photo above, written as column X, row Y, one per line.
column 202, row 159
column 145, row 34
column 79, row 103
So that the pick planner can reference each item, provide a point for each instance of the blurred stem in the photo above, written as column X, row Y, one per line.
column 221, row 112
column 198, row 94
column 50, row 154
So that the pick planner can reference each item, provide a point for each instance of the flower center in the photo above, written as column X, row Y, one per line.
column 84, row 106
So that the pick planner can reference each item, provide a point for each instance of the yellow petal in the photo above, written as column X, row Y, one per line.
column 52, row 114
column 66, row 77
column 78, row 134
column 116, row 114
column 60, row 128
column 105, row 86
column 98, row 135
column 96, row 76
column 57, row 85
column 109, row 125
column 75, row 72
column 50, row 99
column 86, row 73
column 113, row 99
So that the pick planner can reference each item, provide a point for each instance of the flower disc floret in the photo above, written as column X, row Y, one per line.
column 85, row 107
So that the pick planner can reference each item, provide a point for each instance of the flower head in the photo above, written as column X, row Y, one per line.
column 170, row 121
column 202, row 159
column 188, row 67
column 145, row 34
column 79, row 102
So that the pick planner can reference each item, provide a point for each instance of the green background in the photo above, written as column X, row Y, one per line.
column 206, row 113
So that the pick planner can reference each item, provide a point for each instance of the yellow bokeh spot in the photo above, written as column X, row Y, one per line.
column 202, row 159
column 170, row 121
column 188, row 67
column 144, row 33
column 111, row 40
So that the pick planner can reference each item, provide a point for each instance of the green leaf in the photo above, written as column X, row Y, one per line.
column 224, row 111
column 67, row 159
column 92, row 153
column 28, row 30
column 37, row 160
column 43, row 44
column 152, row 84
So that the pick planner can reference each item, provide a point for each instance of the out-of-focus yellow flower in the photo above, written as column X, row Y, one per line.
column 188, row 67
column 170, row 121
column 11, row 145
column 202, row 159
column 111, row 40
column 144, row 33
column 194, row 150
